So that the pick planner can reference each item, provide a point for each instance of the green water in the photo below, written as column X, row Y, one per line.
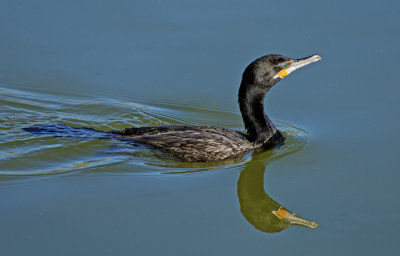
column 111, row 65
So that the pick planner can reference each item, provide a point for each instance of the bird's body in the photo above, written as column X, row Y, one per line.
column 207, row 143
column 196, row 143
column 190, row 142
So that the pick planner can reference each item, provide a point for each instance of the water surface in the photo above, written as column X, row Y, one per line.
column 111, row 65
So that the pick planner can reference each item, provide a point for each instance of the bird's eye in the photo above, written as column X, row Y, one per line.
column 284, row 65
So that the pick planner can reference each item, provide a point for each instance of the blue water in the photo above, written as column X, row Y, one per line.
column 110, row 65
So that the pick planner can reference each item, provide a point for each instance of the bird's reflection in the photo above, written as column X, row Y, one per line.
column 257, row 207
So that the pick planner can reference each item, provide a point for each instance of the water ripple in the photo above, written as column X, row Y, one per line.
column 22, row 153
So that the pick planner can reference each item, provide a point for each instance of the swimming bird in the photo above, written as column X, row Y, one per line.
column 208, row 143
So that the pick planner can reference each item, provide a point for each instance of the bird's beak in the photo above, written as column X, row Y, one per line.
column 293, row 219
column 296, row 64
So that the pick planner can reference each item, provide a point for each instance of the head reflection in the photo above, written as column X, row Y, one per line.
column 257, row 207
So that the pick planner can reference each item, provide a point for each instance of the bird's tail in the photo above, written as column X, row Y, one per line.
column 65, row 131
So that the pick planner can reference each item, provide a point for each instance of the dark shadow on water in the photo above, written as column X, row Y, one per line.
column 257, row 206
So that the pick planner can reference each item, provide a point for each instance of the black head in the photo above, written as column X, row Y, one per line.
column 261, row 72
column 270, row 69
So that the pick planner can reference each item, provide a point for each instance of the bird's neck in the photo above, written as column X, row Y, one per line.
column 259, row 127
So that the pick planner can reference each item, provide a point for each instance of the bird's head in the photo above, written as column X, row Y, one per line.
column 270, row 69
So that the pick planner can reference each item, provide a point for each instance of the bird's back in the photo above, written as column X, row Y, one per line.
column 191, row 143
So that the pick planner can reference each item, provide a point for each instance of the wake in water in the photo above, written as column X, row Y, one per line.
column 71, row 134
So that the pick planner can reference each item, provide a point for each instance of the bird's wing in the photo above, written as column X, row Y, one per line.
column 211, row 144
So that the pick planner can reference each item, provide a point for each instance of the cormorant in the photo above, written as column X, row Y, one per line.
column 207, row 143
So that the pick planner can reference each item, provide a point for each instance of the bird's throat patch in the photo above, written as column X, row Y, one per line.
column 282, row 73
column 281, row 213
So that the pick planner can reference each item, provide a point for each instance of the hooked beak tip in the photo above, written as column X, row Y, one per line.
column 317, row 57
